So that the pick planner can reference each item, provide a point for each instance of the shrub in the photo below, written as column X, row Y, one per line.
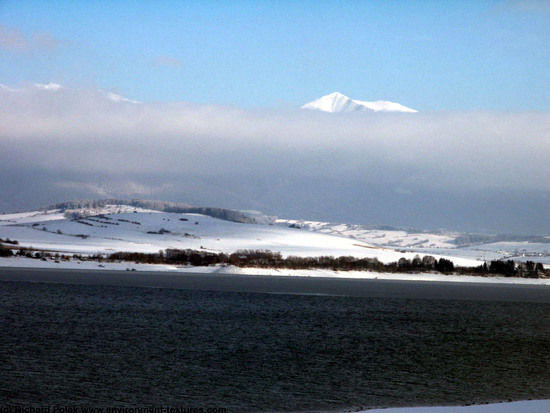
column 5, row 252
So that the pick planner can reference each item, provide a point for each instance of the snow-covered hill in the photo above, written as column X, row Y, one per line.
column 126, row 228
column 392, row 238
column 337, row 102
column 112, row 228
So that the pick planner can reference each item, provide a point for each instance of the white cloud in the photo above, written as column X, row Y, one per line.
column 482, row 149
column 253, row 154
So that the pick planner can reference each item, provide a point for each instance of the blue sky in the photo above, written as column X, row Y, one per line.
column 428, row 55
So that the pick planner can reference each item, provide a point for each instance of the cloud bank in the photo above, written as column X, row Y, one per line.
column 459, row 170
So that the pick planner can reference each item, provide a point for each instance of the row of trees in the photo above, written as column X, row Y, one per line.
column 270, row 259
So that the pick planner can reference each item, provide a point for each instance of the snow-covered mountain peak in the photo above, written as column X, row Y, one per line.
column 337, row 102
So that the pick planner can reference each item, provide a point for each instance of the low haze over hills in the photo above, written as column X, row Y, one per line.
column 465, row 171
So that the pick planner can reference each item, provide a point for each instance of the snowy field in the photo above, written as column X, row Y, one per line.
column 441, row 243
column 393, row 238
column 124, row 228
column 119, row 228
column 149, row 231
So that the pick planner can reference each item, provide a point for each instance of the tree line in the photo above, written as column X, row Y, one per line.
column 269, row 259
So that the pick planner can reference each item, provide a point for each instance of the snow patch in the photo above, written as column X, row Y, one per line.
column 529, row 406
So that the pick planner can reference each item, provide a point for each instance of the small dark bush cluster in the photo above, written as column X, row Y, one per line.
column 85, row 223
column 194, row 257
column 24, row 253
column 43, row 255
column 102, row 219
column 160, row 232
column 422, row 264
column 5, row 252
column 509, row 268
column 145, row 258
column 127, row 220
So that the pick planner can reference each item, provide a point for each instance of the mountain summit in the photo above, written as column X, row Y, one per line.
column 336, row 102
